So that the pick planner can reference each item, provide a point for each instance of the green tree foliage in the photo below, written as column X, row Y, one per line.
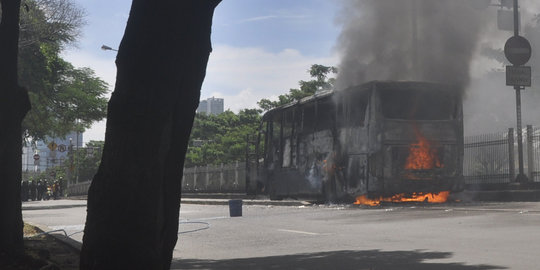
column 85, row 162
column 221, row 138
column 320, row 82
column 63, row 98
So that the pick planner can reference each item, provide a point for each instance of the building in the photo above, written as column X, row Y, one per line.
column 50, row 152
column 211, row 106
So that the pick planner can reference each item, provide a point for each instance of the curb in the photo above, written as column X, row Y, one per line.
column 504, row 195
column 29, row 208
column 245, row 202
column 60, row 237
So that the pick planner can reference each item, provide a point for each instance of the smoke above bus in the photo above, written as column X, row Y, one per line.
column 419, row 40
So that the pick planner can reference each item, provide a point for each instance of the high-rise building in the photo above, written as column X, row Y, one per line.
column 211, row 106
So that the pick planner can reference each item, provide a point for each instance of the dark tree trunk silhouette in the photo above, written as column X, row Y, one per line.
column 14, row 104
column 134, row 199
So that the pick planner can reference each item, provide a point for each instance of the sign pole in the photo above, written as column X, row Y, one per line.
column 521, row 177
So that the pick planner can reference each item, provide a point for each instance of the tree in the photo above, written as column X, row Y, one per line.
column 307, row 88
column 88, row 159
column 14, row 105
column 134, row 199
column 64, row 98
column 50, row 21
column 221, row 138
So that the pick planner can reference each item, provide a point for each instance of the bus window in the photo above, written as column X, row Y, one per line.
column 352, row 110
column 325, row 114
column 308, row 118
column 276, row 137
column 288, row 124
column 410, row 104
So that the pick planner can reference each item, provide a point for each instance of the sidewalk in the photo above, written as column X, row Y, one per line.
column 80, row 201
column 53, row 204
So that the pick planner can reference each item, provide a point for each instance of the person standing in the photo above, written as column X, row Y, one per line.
column 39, row 190
column 33, row 195
column 24, row 191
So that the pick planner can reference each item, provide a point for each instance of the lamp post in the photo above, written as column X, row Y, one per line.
column 107, row 48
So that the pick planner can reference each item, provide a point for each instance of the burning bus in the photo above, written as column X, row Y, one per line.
column 384, row 139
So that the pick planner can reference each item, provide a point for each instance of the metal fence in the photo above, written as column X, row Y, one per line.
column 531, row 154
column 222, row 178
column 493, row 158
column 78, row 189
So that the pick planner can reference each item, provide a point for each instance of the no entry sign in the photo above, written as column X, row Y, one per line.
column 517, row 50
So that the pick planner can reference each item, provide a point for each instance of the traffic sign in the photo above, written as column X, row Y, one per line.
column 36, row 157
column 62, row 148
column 52, row 146
column 518, row 75
column 517, row 50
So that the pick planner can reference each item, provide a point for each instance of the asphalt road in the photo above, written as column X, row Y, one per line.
column 412, row 236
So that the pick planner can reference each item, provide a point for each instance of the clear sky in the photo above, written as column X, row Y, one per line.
column 261, row 48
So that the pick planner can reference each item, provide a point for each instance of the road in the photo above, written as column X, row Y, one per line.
column 412, row 236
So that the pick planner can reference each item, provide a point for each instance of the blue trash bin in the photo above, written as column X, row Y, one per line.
column 235, row 208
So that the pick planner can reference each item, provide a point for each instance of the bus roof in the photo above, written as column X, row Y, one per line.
column 393, row 85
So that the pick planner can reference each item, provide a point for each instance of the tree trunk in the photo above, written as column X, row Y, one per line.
column 14, row 104
column 134, row 199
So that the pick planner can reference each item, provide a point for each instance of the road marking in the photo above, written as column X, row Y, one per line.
column 300, row 232
column 69, row 227
column 201, row 219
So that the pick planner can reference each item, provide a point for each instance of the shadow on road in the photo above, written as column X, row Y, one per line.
column 344, row 259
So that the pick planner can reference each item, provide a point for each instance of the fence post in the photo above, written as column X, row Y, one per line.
column 236, row 174
column 207, row 177
column 530, row 147
column 194, row 179
column 221, row 178
column 511, row 163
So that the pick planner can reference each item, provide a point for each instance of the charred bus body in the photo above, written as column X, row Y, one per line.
column 375, row 139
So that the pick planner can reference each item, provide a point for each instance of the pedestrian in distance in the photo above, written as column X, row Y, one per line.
column 24, row 191
column 33, row 190
column 39, row 190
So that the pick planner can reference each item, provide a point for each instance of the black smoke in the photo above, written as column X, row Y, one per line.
column 423, row 40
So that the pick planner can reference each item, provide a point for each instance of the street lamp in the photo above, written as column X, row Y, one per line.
column 107, row 48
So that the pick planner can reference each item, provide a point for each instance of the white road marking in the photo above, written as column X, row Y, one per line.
column 79, row 227
column 300, row 232
column 201, row 219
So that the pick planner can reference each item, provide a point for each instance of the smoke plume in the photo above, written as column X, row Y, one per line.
column 424, row 40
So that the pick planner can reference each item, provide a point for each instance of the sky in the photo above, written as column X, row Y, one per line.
column 261, row 48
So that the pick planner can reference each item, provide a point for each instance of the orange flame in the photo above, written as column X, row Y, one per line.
column 421, row 155
column 439, row 197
